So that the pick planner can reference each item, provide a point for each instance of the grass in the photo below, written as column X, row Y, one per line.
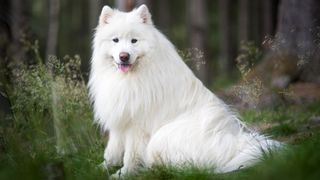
column 51, row 135
column 286, row 121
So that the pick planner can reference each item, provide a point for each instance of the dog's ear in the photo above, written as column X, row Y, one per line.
column 144, row 13
column 106, row 13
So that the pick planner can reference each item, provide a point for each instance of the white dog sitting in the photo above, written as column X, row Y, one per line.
column 155, row 109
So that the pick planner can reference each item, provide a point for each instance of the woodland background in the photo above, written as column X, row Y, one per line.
column 261, row 57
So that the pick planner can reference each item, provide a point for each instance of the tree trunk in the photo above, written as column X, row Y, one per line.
column 298, row 35
column 290, row 71
column 146, row 2
column 243, row 20
column 5, row 30
column 197, row 32
column 269, row 17
column 20, row 31
column 54, row 9
column 250, row 21
column 163, row 18
column 5, row 39
column 125, row 5
column 227, row 44
column 256, row 21
column 94, row 12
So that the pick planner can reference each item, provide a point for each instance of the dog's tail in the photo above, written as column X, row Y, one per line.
column 253, row 148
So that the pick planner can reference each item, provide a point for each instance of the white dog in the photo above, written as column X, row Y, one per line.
column 155, row 109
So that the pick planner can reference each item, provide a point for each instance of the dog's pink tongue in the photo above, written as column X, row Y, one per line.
column 124, row 67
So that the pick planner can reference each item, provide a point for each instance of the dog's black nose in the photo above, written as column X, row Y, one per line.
column 124, row 56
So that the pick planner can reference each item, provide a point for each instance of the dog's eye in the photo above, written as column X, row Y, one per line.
column 133, row 41
column 115, row 40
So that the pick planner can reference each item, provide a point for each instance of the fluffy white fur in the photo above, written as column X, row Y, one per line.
column 159, row 112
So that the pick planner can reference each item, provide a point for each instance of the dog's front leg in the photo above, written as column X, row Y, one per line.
column 113, row 153
column 134, row 154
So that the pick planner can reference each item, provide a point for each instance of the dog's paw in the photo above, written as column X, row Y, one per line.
column 111, row 160
column 117, row 175
column 103, row 167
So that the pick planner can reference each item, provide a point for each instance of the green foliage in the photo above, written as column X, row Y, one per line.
column 248, row 90
column 284, row 121
column 171, row 172
column 249, row 55
column 52, row 130
column 297, row 162
column 221, row 83
column 282, row 130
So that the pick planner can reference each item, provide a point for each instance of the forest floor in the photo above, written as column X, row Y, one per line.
column 298, row 126
column 50, row 135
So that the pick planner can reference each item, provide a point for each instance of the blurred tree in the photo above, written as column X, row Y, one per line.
column 128, row 5
column 5, row 38
column 250, row 21
column 256, row 21
column 290, row 70
column 15, row 35
column 163, row 15
column 94, row 11
column 243, row 20
column 298, row 35
column 270, row 8
column 53, row 29
column 227, row 39
column 5, row 30
column 20, row 31
column 74, row 35
column 198, row 36
column 146, row 2
column 125, row 5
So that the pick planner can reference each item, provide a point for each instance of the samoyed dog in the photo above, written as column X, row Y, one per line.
column 155, row 110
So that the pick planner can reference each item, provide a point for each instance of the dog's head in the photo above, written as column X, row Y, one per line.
column 124, row 38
